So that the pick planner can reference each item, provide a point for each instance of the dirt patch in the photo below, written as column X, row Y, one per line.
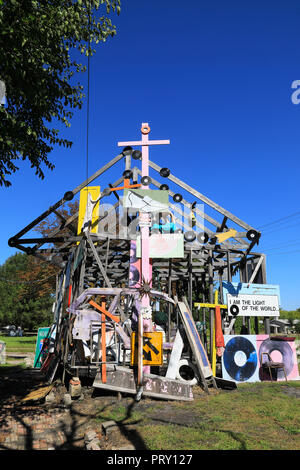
column 291, row 391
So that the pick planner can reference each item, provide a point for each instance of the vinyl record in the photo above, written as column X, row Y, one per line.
column 234, row 310
column 252, row 235
column 202, row 237
column 240, row 359
column 270, row 345
column 177, row 197
column 146, row 180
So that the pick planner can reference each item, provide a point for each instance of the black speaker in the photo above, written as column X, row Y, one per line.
column 137, row 154
column 127, row 150
column 165, row 172
column 127, row 174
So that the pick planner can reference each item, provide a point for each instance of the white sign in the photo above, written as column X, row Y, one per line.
column 253, row 305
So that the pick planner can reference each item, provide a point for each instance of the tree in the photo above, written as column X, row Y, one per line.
column 27, row 288
column 36, row 42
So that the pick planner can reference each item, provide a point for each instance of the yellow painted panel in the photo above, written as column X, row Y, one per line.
column 152, row 349
column 95, row 193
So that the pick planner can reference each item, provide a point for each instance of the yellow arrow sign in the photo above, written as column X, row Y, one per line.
column 225, row 235
column 152, row 349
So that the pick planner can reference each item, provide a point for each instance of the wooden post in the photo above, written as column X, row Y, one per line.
column 170, row 294
column 211, row 300
column 191, row 280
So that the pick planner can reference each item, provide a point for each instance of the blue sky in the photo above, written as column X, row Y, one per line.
column 213, row 77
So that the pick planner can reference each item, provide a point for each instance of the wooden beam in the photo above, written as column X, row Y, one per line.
column 203, row 198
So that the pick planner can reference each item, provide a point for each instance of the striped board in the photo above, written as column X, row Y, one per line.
column 195, row 341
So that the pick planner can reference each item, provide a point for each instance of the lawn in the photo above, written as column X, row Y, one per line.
column 19, row 344
column 257, row 416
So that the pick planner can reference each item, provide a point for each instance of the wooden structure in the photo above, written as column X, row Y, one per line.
column 96, row 310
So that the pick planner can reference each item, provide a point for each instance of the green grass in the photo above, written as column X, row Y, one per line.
column 19, row 344
column 256, row 416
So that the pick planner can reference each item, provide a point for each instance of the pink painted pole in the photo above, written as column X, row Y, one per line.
column 147, row 323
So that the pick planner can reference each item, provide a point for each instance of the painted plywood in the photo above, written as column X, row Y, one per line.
column 243, row 288
column 253, row 305
column 241, row 360
column 146, row 200
column 167, row 245
column 195, row 341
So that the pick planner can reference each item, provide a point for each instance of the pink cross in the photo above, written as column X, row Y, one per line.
column 144, row 143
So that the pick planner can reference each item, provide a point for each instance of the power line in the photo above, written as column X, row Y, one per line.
column 280, row 228
column 284, row 253
column 88, row 96
column 279, row 220
column 283, row 245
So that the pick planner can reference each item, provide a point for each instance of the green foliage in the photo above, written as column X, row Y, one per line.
column 292, row 315
column 37, row 68
column 24, row 300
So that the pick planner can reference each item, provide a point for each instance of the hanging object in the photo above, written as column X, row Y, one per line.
column 68, row 196
column 192, row 217
column 177, row 197
column 225, row 235
column 146, row 180
column 137, row 154
column 88, row 209
column 146, row 200
column 202, row 237
column 190, row 236
column 252, row 235
column 164, row 187
column 234, row 310
column 127, row 174
column 127, row 150
column 164, row 172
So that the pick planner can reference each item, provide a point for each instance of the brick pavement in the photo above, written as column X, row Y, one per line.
column 38, row 426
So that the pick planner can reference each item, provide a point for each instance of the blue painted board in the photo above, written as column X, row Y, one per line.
column 195, row 341
column 236, row 288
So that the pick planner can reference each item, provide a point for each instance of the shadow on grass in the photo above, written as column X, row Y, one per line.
column 131, row 435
